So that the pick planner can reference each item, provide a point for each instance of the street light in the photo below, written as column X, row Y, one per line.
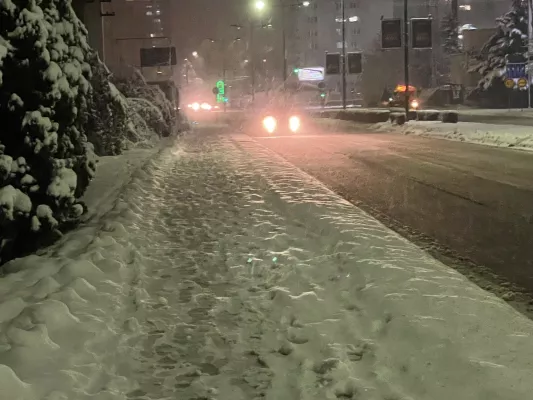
column 195, row 54
column 259, row 5
column 306, row 3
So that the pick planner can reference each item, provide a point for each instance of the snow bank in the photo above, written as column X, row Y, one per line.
column 488, row 134
column 222, row 272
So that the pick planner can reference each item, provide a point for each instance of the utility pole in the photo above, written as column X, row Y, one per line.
column 224, row 78
column 455, row 12
column 406, row 54
column 283, row 42
column 252, row 60
column 343, row 56
column 529, row 49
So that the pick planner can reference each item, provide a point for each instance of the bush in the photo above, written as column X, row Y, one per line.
column 135, row 87
column 450, row 117
column 46, row 162
column 107, row 124
column 361, row 116
column 398, row 118
column 152, row 115
column 428, row 115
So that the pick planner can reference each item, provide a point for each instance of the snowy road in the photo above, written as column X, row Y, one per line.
column 224, row 273
column 475, row 200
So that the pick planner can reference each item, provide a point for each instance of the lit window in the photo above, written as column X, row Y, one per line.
column 148, row 13
column 158, row 12
column 466, row 7
column 353, row 19
column 152, row 34
column 157, row 20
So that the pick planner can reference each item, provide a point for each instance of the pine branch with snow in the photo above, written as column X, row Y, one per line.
column 510, row 40
column 108, row 119
column 46, row 162
column 450, row 35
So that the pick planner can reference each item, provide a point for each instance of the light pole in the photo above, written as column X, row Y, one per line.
column 406, row 54
column 343, row 57
column 282, row 7
column 529, row 49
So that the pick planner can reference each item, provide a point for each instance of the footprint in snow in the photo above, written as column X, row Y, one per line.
column 297, row 336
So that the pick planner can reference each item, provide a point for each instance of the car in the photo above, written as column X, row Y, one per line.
column 278, row 121
column 203, row 106
column 397, row 100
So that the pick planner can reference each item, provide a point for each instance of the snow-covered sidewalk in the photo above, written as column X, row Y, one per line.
column 222, row 272
column 516, row 136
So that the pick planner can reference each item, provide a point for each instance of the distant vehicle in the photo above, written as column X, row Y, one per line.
column 281, row 116
column 203, row 106
column 398, row 97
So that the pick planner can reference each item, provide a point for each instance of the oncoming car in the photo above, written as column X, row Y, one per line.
column 281, row 122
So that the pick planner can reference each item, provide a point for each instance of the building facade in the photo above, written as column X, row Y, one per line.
column 317, row 29
column 120, row 28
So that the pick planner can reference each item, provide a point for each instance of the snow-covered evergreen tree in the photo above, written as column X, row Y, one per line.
column 46, row 162
column 107, row 127
column 509, row 41
column 137, row 92
column 450, row 35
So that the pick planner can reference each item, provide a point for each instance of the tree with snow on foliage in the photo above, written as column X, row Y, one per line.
column 45, row 160
column 510, row 40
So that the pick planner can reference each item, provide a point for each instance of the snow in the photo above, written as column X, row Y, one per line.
column 12, row 201
column 220, row 271
column 516, row 136
column 63, row 184
column 44, row 212
column 5, row 164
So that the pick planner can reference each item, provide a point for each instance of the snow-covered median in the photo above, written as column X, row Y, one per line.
column 488, row 134
column 222, row 272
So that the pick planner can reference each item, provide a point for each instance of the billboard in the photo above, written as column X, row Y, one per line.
column 158, row 56
column 311, row 74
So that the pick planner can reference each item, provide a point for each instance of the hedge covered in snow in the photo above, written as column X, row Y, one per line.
column 60, row 110
column 46, row 161
column 150, row 103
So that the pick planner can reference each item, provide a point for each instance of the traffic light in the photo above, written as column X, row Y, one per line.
column 333, row 63
column 391, row 33
column 221, row 91
column 421, row 33
column 355, row 63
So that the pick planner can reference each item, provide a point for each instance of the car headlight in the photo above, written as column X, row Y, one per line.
column 195, row 106
column 294, row 123
column 270, row 123
column 205, row 106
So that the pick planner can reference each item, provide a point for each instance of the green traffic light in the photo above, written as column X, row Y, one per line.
column 322, row 94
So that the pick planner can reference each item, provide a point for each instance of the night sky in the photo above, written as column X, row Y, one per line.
column 200, row 19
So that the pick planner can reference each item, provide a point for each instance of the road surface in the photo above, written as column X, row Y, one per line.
column 474, row 200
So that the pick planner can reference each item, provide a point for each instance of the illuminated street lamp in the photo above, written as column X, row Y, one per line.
column 259, row 5
column 306, row 3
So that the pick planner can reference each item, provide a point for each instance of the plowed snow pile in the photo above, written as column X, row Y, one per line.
column 222, row 272
column 517, row 136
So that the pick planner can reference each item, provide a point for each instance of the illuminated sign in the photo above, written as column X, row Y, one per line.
column 311, row 74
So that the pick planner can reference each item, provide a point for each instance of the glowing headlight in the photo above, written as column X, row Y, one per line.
column 414, row 104
column 270, row 123
column 294, row 123
column 205, row 106
column 195, row 106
